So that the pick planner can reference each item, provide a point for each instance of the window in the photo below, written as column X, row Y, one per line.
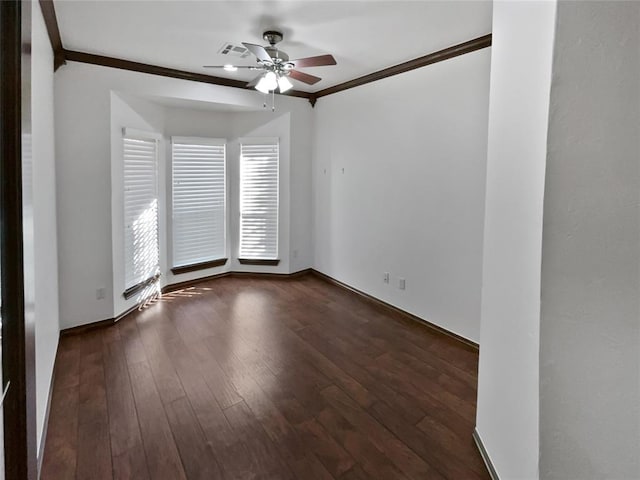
column 259, row 200
column 141, row 251
column 199, row 194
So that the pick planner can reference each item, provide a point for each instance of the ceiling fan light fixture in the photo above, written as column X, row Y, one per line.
column 271, row 80
column 284, row 83
column 262, row 85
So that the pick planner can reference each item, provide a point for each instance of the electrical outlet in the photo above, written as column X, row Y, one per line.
column 100, row 293
column 402, row 283
column 386, row 277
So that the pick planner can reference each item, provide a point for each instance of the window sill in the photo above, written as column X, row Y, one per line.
column 256, row 261
column 131, row 291
column 198, row 266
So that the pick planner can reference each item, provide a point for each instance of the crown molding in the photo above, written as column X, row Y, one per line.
column 93, row 59
column 429, row 59
column 51, row 22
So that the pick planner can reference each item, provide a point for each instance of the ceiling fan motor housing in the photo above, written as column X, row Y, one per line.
column 273, row 37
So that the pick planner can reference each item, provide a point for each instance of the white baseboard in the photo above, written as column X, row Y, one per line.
column 485, row 455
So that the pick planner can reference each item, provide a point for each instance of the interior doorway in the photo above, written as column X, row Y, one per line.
column 16, row 244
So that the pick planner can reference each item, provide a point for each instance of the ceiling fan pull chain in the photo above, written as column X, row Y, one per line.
column 273, row 100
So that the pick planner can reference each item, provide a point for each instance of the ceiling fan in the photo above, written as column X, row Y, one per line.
column 276, row 66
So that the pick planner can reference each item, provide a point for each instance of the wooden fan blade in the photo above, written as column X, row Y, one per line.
column 318, row 61
column 258, row 51
column 255, row 81
column 304, row 77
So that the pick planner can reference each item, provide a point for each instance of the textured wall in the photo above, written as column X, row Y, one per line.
column 590, row 315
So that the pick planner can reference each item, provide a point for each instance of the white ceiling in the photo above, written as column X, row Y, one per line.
column 363, row 36
column 175, row 102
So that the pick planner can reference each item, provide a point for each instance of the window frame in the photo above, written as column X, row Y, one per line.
column 266, row 261
column 135, row 134
column 213, row 262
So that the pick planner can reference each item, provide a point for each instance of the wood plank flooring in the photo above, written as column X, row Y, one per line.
column 252, row 378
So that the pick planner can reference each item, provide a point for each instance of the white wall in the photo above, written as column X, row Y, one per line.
column 399, row 178
column 83, row 173
column 84, row 146
column 44, row 203
column 590, row 312
column 301, row 240
column 507, row 412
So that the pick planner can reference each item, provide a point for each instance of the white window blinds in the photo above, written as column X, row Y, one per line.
column 259, row 160
column 199, row 200
column 141, row 249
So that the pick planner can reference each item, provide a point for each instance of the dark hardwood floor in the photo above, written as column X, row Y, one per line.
column 245, row 378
